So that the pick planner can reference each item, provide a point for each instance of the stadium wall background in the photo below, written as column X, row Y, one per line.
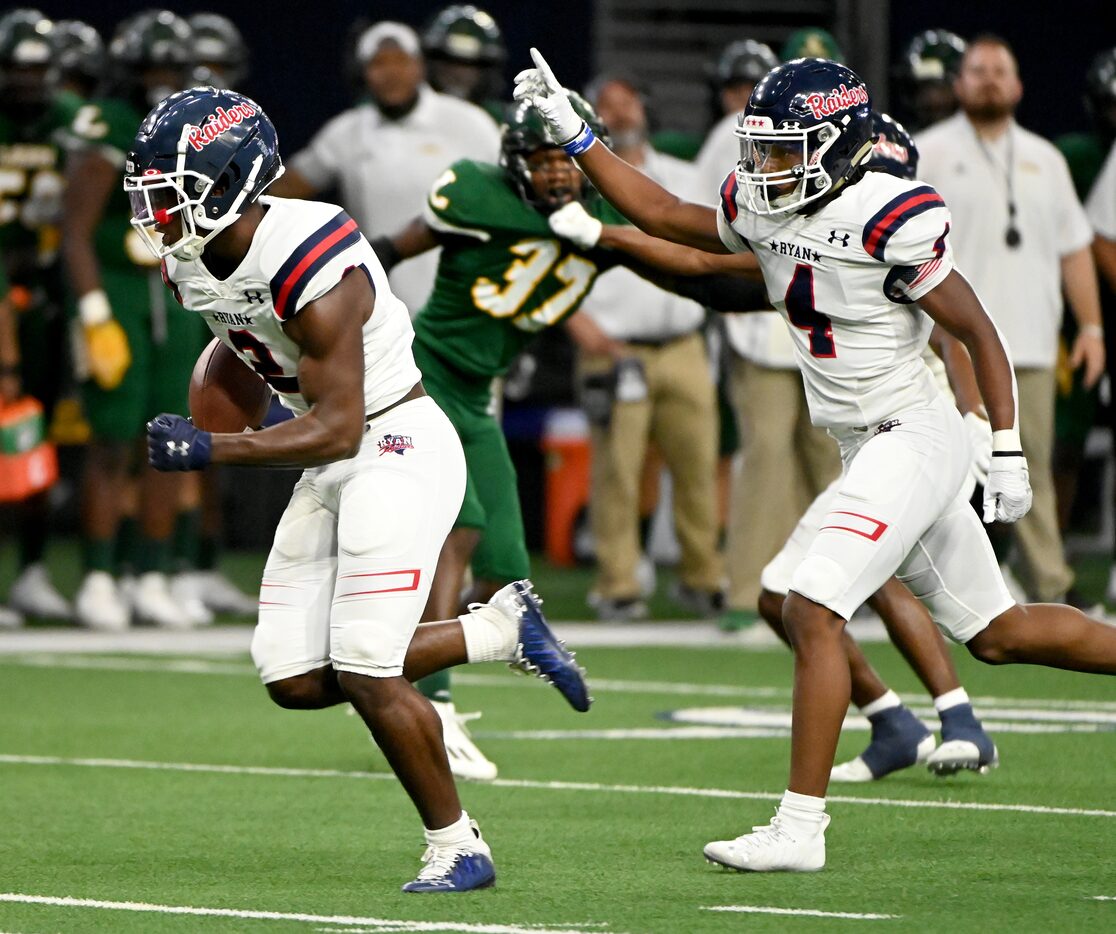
column 298, row 67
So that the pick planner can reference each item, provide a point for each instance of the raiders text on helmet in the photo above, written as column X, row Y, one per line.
column 815, row 116
column 200, row 158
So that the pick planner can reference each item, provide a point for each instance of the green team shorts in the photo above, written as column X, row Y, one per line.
column 165, row 341
column 491, row 501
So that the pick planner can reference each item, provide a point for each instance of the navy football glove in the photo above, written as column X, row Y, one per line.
column 173, row 443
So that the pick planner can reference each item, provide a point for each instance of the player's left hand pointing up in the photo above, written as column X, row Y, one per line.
column 541, row 89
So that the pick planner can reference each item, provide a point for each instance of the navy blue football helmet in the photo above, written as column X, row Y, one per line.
column 806, row 129
column 199, row 159
column 893, row 148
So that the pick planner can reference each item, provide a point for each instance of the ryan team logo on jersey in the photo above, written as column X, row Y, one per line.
column 396, row 444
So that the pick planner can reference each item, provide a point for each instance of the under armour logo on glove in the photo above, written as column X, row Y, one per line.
column 173, row 443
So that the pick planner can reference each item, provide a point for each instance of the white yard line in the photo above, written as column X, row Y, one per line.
column 805, row 912
column 461, row 676
column 382, row 923
column 674, row 790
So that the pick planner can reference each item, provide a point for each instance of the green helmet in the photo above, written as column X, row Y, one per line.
column 464, row 33
column 220, row 55
column 924, row 77
column 933, row 55
column 813, row 42
column 80, row 52
column 26, row 59
column 524, row 132
column 149, row 40
column 1100, row 93
column 744, row 61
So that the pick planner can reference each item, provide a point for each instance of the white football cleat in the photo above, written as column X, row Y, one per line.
column 221, row 595
column 152, row 603
column 185, row 591
column 956, row 755
column 33, row 593
column 465, row 760
column 771, row 848
column 100, row 605
column 9, row 618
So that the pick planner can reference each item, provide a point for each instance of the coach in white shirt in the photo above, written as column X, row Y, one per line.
column 627, row 316
column 784, row 461
column 384, row 154
column 1022, row 239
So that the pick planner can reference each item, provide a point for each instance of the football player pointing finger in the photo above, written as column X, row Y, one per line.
column 846, row 255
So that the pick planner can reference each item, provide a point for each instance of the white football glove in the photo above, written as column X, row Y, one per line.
column 1007, row 493
column 541, row 90
column 572, row 222
column 980, row 440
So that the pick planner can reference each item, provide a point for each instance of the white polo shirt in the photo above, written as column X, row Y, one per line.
column 384, row 169
column 760, row 337
column 627, row 306
column 1021, row 288
column 1101, row 205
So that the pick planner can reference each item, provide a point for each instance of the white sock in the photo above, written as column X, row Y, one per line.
column 458, row 833
column 802, row 812
column 951, row 699
column 885, row 701
column 490, row 636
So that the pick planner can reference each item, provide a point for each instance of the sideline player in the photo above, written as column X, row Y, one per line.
column 291, row 286
column 844, row 254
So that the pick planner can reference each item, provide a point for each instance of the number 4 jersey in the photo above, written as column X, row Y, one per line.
column 844, row 278
column 300, row 251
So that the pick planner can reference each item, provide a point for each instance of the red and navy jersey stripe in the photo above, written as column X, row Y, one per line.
column 883, row 225
column 308, row 259
column 169, row 282
column 728, row 197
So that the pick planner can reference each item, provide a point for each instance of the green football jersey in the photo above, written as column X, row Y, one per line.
column 503, row 275
column 31, row 185
column 1085, row 154
column 110, row 126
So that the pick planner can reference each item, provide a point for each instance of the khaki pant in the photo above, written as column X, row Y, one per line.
column 783, row 464
column 680, row 415
column 1045, row 572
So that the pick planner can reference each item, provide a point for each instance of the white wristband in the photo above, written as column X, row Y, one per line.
column 1006, row 441
column 94, row 308
column 1092, row 330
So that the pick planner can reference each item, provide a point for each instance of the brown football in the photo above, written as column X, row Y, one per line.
column 226, row 395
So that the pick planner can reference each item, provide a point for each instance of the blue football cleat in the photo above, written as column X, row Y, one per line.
column 899, row 740
column 965, row 744
column 455, row 868
column 539, row 651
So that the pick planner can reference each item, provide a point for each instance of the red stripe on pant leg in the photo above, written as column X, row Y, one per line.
column 874, row 536
column 415, row 573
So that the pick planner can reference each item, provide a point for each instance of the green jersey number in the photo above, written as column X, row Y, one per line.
column 535, row 259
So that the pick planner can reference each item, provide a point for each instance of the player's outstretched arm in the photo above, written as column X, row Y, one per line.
column 330, row 377
column 676, row 258
column 644, row 202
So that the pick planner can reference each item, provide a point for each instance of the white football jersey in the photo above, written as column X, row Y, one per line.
column 300, row 251
column 843, row 279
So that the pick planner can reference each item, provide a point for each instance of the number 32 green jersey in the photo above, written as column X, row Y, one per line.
column 503, row 274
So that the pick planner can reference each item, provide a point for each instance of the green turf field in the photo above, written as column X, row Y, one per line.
column 167, row 794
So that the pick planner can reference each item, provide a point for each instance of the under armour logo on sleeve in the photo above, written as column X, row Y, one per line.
column 834, row 238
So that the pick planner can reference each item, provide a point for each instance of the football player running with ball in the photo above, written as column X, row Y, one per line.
column 845, row 253
column 296, row 291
